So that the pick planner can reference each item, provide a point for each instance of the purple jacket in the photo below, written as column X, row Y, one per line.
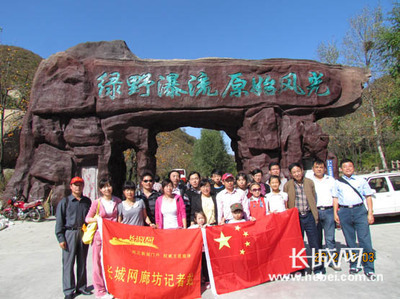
column 180, row 207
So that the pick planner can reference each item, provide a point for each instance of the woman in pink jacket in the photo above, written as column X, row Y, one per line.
column 170, row 209
column 107, row 210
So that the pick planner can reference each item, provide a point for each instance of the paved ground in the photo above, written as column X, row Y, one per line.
column 30, row 267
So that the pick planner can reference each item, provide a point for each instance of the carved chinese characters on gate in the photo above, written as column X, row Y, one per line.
column 113, row 85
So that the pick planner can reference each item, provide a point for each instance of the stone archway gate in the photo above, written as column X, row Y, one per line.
column 94, row 100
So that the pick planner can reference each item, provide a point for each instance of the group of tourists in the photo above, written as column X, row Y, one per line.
column 222, row 198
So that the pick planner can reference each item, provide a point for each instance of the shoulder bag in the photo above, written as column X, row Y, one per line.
column 355, row 190
column 90, row 229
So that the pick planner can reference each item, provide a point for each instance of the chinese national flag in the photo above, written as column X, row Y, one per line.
column 141, row 262
column 246, row 254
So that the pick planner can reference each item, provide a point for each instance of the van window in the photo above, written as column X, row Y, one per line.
column 395, row 180
column 379, row 184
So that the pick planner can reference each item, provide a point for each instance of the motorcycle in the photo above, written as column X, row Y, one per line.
column 20, row 209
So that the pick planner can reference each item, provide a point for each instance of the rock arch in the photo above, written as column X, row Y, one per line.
column 96, row 99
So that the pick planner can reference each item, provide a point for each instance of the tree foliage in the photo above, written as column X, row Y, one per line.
column 365, row 135
column 352, row 135
column 210, row 152
column 17, row 69
column 328, row 52
column 389, row 48
column 175, row 150
column 360, row 42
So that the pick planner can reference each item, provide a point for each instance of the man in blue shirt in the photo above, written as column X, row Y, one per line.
column 349, row 211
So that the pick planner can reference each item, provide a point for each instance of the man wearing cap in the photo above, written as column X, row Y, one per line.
column 70, row 216
column 228, row 197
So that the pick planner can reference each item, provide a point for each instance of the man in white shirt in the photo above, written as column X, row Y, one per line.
column 228, row 197
column 349, row 195
column 324, row 186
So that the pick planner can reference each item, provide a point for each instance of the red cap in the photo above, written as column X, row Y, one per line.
column 76, row 180
column 227, row 176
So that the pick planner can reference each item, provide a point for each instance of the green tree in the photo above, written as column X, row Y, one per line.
column 359, row 48
column 389, row 48
column 175, row 150
column 17, row 68
column 210, row 152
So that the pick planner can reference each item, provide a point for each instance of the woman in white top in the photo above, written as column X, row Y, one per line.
column 106, row 205
column 204, row 202
column 170, row 209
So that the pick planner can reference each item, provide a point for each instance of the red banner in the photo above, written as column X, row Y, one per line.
column 246, row 254
column 141, row 262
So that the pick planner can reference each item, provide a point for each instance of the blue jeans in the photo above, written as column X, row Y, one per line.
column 355, row 226
column 307, row 224
column 326, row 223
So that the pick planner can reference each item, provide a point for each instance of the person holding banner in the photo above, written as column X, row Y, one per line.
column 107, row 210
column 132, row 211
column 170, row 208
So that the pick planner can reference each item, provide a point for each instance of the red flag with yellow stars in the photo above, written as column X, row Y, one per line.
column 142, row 262
column 245, row 254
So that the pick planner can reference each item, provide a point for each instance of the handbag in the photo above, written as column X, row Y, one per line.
column 90, row 229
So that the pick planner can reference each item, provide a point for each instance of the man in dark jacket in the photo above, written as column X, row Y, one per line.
column 71, row 213
column 148, row 194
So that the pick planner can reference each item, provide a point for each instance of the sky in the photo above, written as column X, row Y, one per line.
column 183, row 29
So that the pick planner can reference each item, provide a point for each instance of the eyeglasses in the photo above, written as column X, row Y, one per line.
column 147, row 181
column 259, row 189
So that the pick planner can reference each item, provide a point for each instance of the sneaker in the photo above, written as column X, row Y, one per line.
column 371, row 275
column 336, row 268
column 354, row 270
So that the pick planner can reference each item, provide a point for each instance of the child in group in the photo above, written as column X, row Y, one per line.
column 216, row 181
column 257, row 204
column 276, row 200
column 200, row 222
column 237, row 213
column 242, row 182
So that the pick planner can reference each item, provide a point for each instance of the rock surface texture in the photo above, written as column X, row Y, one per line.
column 95, row 100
